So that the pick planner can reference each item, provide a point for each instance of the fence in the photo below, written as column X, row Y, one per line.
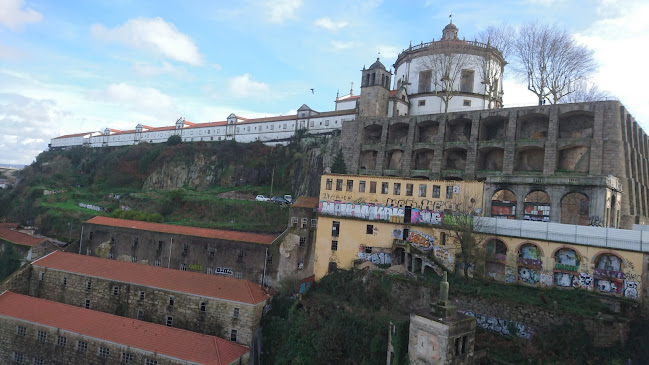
column 622, row 239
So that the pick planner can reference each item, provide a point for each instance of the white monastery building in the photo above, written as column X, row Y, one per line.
column 469, row 70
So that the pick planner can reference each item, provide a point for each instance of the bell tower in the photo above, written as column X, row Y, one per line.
column 375, row 91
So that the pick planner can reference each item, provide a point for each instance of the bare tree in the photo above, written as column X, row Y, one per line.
column 551, row 61
column 492, row 64
column 463, row 228
column 446, row 64
column 586, row 91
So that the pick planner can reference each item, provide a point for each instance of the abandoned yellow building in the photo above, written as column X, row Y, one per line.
column 400, row 221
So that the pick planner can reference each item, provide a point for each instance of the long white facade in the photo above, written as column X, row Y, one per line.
column 272, row 130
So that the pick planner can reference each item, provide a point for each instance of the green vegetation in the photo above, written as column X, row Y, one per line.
column 338, row 166
column 174, row 140
column 9, row 259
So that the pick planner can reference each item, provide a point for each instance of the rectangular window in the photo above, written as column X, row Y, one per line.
column 300, row 264
column 408, row 189
column 90, row 236
column 407, row 214
column 421, row 102
column 384, row 188
column 350, row 185
column 209, row 270
column 466, row 103
column 61, row 340
column 211, row 251
column 339, row 184
column 115, row 290
column 305, row 221
column 41, row 276
column 157, row 263
column 38, row 361
column 42, row 336
column 20, row 330
column 185, row 249
column 151, row 362
column 87, row 304
column 449, row 192
column 160, row 245
column 269, row 259
column 104, row 352
column 135, row 242
column 142, row 295
column 436, row 191
column 127, row 358
column 183, row 267
column 235, row 313
column 134, row 259
column 328, row 184
column 314, row 223
column 170, row 321
column 88, row 285
column 293, row 220
column 82, row 346
column 64, row 281
column 140, row 314
column 18, row 357
column 372, row 187
column 397, row 189
column 335, row 229
column 203, row 306
column 369, row 229
column 233, row 336
column 422, row 190
column 425, row 78
column 442, row 236
column 334, row 245
column 466, row 82
column 171, row 300
column 240, row 256
column 361, row 186
column 302, row 241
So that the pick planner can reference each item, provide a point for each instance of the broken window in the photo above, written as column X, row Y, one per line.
column 369, row 229
column 170, row 321
column 328, row 184
column 422, row 190
column 436, row 191
column 384, row 188
column 449, row 192
column 408, row 189
column 302, row 241
column 466, row 83
column 339, row 184
column 334, row 245
column 233, row 336
column 335, row 229
column 361, row 186
column 350, row 185
column 397, row 189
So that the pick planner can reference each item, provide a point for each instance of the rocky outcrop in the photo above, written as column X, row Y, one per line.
column 199, row 173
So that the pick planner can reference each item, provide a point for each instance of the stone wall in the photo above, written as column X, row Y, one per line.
column 148, row 303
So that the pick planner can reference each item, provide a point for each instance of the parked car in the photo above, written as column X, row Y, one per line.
column 289, row 199
column 262, row 198
column 279, row 200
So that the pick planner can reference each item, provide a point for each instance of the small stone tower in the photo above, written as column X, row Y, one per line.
column 375, row 91
column 441, row 336
column 449, row 32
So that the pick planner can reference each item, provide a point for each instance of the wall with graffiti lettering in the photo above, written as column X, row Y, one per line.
column 501, row 326
column 378, row 212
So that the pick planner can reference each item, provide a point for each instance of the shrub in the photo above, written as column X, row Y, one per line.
column 174, row 140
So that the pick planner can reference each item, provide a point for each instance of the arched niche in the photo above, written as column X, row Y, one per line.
column 530, row 159
column 398, row 133
column 367, row 160
column 532, row 126
column 537, row 206
column 575, row 208
column 394, row 159
column 372, row 134
column 574, row 159
column 566, row 268
column 427, row 131
column 423, row 159
column 503, row 204
column 493, row 128
column 491, row 158
column 577, row 124
column 458, row 130
column 530, row 262
column 608, row 276
column 455, row 159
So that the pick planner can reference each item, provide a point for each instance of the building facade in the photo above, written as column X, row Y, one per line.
column 214, row 305
column 241, row 255
column 29, row 247
column 38, row 331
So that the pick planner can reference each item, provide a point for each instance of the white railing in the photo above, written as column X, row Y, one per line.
column 622, row 239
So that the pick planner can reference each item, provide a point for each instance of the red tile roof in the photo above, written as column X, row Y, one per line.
column 393, row 93
column 260, row 238
column 210, row 124
column 347, row 98
column 306, row 202
column 19, row 237
column 9, row 225
column 161, row 129
column 156, row 338
column 269, row 119
column 214, row 286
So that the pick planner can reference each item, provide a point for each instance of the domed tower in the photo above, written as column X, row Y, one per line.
column 375, row 91
column 450, row 74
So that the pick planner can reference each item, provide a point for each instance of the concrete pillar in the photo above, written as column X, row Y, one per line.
column 380, row 156
column 597, row 143
column 556, row 193
column 472, row 149
column 439, row 149
column 510, row 145
column 550, row 158
column 406, row 163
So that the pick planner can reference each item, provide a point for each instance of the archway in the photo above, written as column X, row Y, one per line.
column 491, row 158
column 493, row 128
column 575, row 209
column 427, row 131
column 496, row 254
column 503, row 204
column 398, row 133
column 537, row 206
column 566, row 267
column 532, row 126
column 372, row 134
column 458, row 130
column 608, row 274
column 530, row 262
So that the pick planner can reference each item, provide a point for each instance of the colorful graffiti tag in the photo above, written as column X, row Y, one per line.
column 420, row 240
column 501, row 326
column 376, row 258
column 528, row 276
column 379, row 212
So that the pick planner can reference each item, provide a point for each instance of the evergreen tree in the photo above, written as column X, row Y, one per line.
column 9, row 260
column 338, row 166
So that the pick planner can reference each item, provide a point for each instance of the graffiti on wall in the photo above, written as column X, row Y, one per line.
column 376, row 258
column 528, row 276
column 501, row 326
column 444, row 256
column 420, row 240
column 387, row 212
column 631, row 289
column 609, row 286
column 223, row 270
column 509, row 275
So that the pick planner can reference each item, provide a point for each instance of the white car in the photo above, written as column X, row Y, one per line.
column 262, row 198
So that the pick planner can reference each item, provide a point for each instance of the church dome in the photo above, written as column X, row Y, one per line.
column 449, row 32
column 377, row 64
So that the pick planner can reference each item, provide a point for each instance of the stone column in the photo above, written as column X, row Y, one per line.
column 597, row 143
column 406, row 163
column 472, row 149
column 380, row 156
column 438, row 149
column 550, row 159
column 510, row 145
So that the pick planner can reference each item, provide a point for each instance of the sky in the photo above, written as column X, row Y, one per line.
column 77, row 66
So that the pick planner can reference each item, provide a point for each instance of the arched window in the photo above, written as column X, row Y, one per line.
column 537, row 206
column 503, row 204
column 566, row 266
column 496, row 254
column 608, row 275
column 529, row 263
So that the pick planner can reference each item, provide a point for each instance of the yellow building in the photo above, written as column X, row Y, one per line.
column 385, row 220
column 362, row 216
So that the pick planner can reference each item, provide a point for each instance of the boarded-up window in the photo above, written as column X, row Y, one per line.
column 466, row 84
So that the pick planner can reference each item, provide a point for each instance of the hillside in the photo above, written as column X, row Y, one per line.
column 181, row 184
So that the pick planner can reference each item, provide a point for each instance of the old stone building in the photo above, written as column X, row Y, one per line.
column 583, row 163
column 293, row 255
column 216, row 305
column 242, row 255
column 39, row 331
column 29, row 247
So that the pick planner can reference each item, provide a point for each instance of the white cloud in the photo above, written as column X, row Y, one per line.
column 13, row 17
column 281, row 10
column 9, row 53
column 246, row 86
column 166, row 68
column 152, row 35
column 329, row 24
column 33, row 122
column 342, row 45
column 138, row 98
column 389, row 52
